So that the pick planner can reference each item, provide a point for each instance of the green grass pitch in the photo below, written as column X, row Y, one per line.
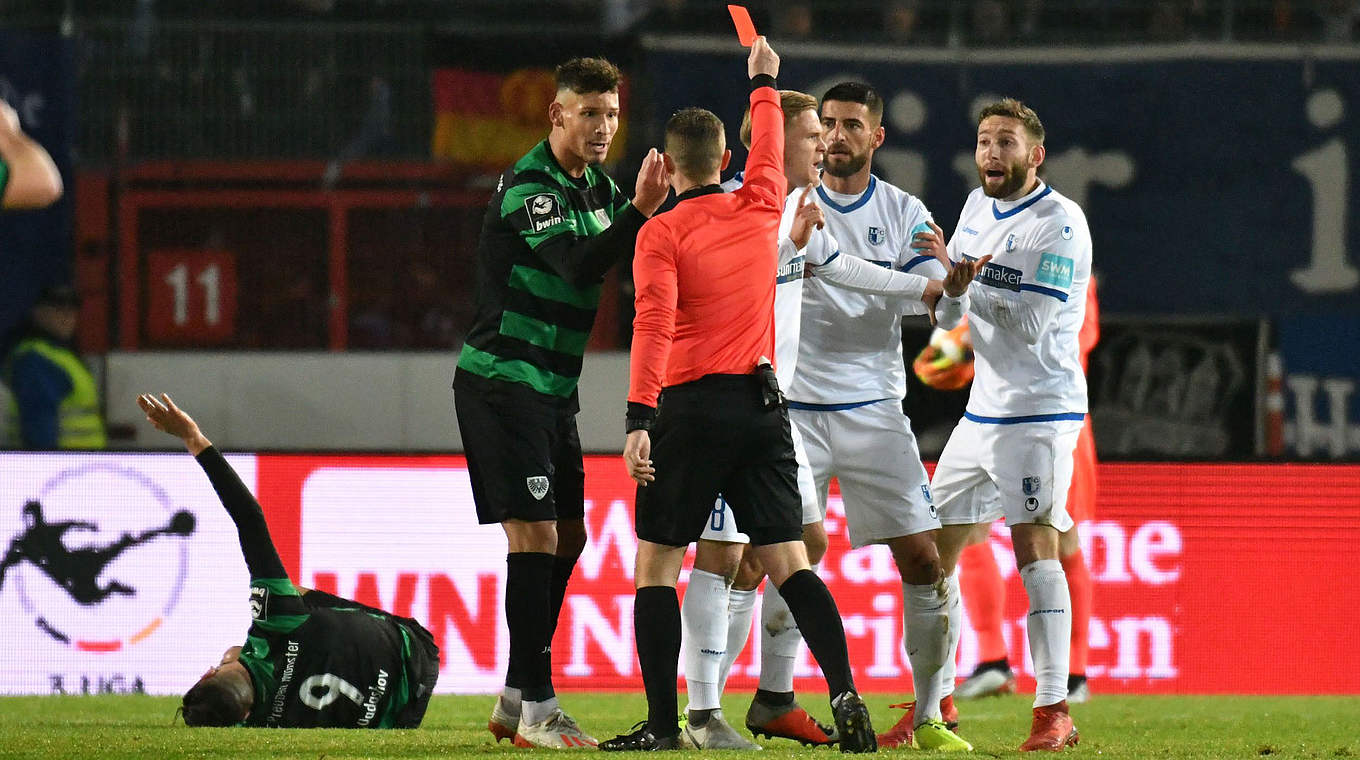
column 1111, row 727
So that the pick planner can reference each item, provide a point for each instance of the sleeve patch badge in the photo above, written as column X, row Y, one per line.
column 259, row 603
column 1054, row 270
column 544, row 211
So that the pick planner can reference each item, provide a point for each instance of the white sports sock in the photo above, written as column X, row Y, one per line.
column 925, row 620
column 740, row 608
column 1049, row 627
column 510, row 698
column 705, row 638
column 779, row 641
column 536, row 712
column 949, row 670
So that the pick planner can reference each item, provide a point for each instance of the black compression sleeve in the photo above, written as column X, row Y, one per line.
column 262, row 559
column 583, row 261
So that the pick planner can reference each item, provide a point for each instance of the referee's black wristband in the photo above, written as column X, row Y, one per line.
column 640, row 417
column 762, row 80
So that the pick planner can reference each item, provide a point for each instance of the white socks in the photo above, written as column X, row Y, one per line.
column 949, row 670
column 536, row 712
column 1050, row 628
column 705, row 638
column 510, row 698
column 925, row 620
column 779, row 642
column 740, row 608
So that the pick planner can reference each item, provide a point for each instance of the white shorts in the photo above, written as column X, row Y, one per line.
column 723, row 527
column 871, row 450
column 1022, row 472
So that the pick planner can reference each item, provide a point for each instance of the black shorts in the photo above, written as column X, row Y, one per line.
column 422, row 673
column 523, row 453
column 714, row 436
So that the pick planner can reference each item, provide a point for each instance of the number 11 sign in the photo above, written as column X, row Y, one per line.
column 191, row 297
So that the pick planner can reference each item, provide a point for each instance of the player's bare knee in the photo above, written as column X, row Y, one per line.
column 918, row 561
column 571, row 538
column 718, row 557
column 1034, row 542
column 814, row 538
column 749, row 573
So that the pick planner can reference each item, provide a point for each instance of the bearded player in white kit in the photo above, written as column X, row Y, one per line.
column 847, row 391
column 1012, row 453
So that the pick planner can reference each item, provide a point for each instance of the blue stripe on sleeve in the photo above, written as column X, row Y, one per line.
column 1058, row 294
column 1026, row 418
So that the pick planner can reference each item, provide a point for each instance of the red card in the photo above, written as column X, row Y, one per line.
column 741, row 19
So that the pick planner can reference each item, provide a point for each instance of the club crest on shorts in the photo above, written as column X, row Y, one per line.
column 538, row 486
column 1030, row 485
column 877, row 236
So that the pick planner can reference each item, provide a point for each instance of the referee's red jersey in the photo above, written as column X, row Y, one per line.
column 704, row 272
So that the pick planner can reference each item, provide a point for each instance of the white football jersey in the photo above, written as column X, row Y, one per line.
column 1027, row 305
column 788, row 290
column 851, row 348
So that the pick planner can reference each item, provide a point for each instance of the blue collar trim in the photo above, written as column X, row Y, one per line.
column 1006, row 214
column 863, row 199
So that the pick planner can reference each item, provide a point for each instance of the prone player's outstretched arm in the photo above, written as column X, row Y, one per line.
column 262, row 559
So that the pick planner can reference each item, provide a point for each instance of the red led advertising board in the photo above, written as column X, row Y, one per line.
column 1209, row 578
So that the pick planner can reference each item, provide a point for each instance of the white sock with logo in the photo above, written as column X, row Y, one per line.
column 925, row 620
column 1049, row 627
column 705, row 637
column 779, row 642
column 740, row 607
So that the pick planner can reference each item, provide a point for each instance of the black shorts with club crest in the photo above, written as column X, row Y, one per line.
column 714, row 435
column 523, row 451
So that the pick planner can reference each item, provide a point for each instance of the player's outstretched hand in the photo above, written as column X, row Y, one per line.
column 637, row 457
column 165, row 416
column 762, row 60
column 805, row 219
column 956, row 282
column 931, row 244
column 653, row 184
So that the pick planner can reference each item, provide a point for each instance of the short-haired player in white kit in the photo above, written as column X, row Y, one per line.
column 847, row 391
column 721, row 579
column 1012, row 453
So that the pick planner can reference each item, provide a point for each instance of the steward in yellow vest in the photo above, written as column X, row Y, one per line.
column 54, row 402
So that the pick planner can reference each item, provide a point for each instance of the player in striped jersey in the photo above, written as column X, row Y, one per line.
column 555, row 225
column 1012, row 454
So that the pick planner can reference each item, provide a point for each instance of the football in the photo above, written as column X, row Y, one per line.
column 946, row 363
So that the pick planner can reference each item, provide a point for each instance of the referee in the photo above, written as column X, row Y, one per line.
column 702, row 385
column 555, row 224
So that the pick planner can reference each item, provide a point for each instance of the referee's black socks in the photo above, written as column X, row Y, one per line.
column 820, row 623
column 528, row 591
column 656, row 625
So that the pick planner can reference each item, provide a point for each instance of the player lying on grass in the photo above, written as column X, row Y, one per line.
column 310, row 659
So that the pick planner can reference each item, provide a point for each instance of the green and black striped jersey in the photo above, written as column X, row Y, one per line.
column 316, row 661
column 547, row 240
column 320, row 666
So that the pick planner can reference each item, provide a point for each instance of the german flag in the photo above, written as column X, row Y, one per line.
column 490, row 119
